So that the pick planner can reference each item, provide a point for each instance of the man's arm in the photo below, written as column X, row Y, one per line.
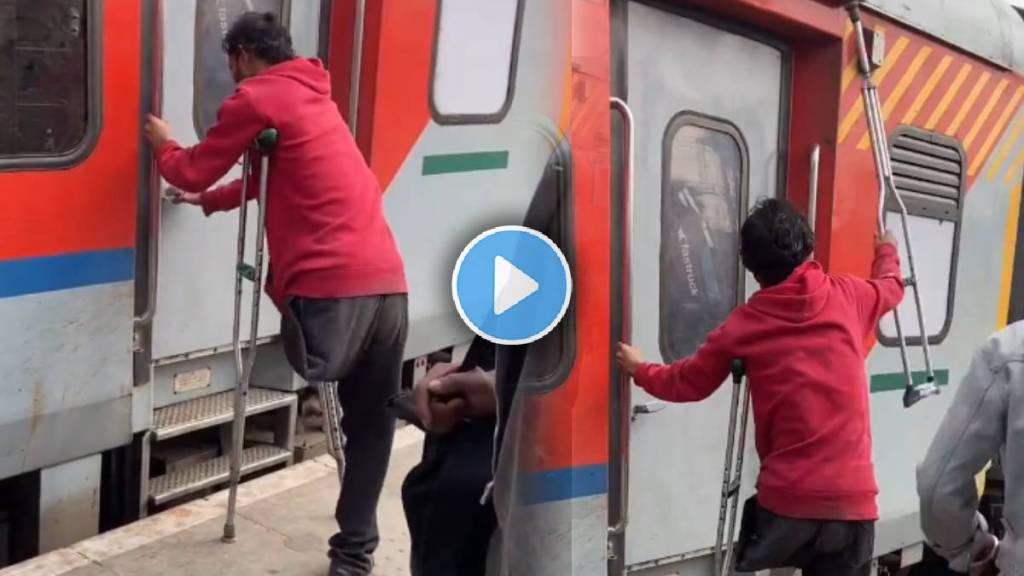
column 881, row 294
column 968, row 438
column 229, row 196
column 687, row 380
column 197, row 168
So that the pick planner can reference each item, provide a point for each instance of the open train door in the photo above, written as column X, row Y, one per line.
column 708, row 109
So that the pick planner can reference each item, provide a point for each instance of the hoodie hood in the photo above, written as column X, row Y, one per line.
column 797, row 299
column 308, row 72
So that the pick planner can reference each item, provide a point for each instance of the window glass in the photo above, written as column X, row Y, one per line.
column 43, row 77
column 928, row 170
column 701, row 207
column 933, row 274
column 473, row 57
column 213, row 81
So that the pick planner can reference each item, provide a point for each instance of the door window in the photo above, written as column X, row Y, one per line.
column 213, row 82
column 702, row 201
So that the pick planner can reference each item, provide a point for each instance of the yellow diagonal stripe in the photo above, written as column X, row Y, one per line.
column 947, row 98
column 1004, row 150
column 901, row 88
column 972, row 96
column 858, row 108
column 1009, row 249
column 926, row 91
column 985, row 113
column 849, row 73
column 993, row 134
column 1013, row 172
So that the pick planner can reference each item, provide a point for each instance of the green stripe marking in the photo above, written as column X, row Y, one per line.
column 465, row 162
column 897, row 381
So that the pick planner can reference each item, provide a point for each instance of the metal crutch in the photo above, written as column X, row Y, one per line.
column 260, row 147
column 732, row 472
column 887, row 185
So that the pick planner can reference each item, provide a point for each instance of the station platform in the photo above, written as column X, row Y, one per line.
column 284, row 520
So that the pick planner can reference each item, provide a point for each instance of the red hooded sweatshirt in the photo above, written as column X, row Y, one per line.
column 803, row 342
column 326, row 230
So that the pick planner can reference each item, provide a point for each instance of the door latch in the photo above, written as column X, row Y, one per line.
column 647, row 408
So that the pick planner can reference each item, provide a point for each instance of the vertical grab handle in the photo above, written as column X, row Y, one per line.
column 358, row 35
column 812, row 187
column 261, row 148
column 913, row 392
column 621, row 393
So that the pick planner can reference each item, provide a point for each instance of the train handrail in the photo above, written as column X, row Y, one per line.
column 358, row 35
column 145, row 319
column 621, row 420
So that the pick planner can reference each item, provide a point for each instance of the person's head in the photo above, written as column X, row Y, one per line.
column 774, row 241
column 256, row 41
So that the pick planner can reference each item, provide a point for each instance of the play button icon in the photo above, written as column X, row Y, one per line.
column 511, row 285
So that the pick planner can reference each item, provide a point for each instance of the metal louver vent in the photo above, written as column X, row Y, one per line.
column 929, row 173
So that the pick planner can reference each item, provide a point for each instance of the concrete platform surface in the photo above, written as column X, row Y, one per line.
column 284, row 520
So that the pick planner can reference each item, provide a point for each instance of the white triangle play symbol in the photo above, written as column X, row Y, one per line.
column 511, row 285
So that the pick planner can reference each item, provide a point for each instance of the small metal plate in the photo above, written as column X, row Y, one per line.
column 193, row 380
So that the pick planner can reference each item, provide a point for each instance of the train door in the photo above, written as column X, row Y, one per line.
column 707, row 105
column 197, row 254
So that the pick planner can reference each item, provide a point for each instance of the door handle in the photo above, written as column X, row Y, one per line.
column 647, row 408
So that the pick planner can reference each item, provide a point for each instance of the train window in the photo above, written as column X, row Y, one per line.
column 704, row 173
column 474, row 60
column 48, row 82
column 212, row 78
column 929, row 170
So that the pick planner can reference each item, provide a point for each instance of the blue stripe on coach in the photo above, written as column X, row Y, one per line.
column 66, row 271
column 564, row 484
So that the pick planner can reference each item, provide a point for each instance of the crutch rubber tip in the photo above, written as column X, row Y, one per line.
column 853, row 8
column 229, row 534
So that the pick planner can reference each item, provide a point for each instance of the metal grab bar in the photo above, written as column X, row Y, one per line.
column 153, row 189
column 623, row 387
column 358, row 35
column 244, row 365
column 812, row 187
column 887, row 185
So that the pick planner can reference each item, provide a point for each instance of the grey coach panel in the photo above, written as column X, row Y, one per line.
column 991, row 29
column 714, row 139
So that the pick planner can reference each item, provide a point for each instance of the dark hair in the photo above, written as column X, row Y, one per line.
column 260, row 34
column 774, row 240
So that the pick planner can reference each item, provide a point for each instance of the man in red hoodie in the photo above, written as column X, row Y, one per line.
column 335, row 272
column 802, row 338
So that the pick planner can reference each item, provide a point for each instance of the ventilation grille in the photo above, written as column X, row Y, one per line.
column 929, row 170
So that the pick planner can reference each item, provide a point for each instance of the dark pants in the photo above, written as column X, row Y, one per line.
column 449, row 527
column 357, row 343
column 816, row 547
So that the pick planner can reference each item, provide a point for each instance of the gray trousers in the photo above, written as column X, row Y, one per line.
column 351, row 350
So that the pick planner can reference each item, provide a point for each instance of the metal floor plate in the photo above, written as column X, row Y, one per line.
column 168, row 487
column 214, row 410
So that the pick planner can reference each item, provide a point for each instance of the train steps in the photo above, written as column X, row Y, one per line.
column 203, row 472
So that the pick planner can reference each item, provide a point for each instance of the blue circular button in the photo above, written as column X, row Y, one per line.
column 511, row 285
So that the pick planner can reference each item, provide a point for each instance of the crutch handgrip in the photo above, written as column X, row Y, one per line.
column 266, row 140
column 738, row 370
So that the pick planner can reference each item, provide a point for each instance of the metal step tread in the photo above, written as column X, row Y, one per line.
column 204, row 475
column 214, row 410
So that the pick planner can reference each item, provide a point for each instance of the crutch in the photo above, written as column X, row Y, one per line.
column 732, row 472
column 887, row 186
column 260, row 148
